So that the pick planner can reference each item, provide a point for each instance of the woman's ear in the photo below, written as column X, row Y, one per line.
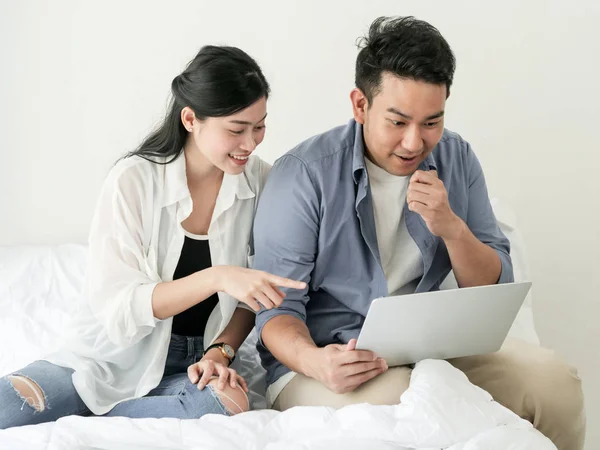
column 188, row 118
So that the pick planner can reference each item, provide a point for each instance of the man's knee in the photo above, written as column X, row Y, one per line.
column 526, row 378
column 554, row 401
column 556, row 386
column 543, row 387
column 29, row 391
column 235, row 400
column 546, row 377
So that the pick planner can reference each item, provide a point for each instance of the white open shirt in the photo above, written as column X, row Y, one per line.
column 118, row 349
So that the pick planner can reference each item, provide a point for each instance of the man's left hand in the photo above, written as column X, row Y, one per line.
column 427, row 197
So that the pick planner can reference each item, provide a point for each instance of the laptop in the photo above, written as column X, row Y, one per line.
column 445, row 324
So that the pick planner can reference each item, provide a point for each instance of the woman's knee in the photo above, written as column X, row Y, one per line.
column 40, row 392
column 22, row 401
column 28, row 391
column 235, row 399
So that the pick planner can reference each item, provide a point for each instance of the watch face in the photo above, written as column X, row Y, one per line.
column 229, row 350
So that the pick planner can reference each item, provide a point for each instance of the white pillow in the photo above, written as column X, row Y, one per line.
column 40, row 290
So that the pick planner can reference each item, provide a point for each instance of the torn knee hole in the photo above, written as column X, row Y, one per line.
column 235, row 400
column 29, row 391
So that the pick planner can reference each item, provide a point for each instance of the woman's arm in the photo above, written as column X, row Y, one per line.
column 252, row 287
column 215, row 363
column 234, row 334
column 170, row 298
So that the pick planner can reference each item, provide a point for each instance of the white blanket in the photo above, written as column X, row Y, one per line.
column 440, row 410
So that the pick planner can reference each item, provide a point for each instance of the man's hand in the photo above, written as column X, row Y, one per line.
column 427, row 197
column 342, row 369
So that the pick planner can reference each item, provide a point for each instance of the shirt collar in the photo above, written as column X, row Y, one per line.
column 358, row 153
column 175, row 186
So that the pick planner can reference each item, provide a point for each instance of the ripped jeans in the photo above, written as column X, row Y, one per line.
column 175, row 396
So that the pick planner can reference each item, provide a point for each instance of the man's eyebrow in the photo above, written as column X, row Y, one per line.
column 406, row 116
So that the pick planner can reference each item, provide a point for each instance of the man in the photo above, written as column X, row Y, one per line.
column 386, row 205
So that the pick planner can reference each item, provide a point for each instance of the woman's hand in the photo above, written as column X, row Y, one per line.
column 255, row 288
column 202, row 372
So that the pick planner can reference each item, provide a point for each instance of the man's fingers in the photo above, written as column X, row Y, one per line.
column 414, row 196
column 351, row 345
column 424, row 177
column 417, row 207
column 338, row 347
column 354, row 356
column 362, row 378
column 417, row 186
column 350, row 370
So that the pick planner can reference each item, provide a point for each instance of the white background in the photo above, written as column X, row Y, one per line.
column 83, row 82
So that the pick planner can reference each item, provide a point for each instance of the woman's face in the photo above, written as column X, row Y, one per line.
column 227, row 142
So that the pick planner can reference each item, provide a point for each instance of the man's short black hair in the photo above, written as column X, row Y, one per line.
column 405, row 47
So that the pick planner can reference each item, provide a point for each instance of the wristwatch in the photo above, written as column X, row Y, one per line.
column 226, row 349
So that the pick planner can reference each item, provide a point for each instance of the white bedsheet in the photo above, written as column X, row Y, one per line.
column 39, row 292
column 441, row 409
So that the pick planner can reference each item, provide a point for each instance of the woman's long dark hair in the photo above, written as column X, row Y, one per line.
column 218, row 82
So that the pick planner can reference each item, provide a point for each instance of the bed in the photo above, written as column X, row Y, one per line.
column 40, row 290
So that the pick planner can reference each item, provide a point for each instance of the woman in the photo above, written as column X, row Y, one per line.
column 170, row 299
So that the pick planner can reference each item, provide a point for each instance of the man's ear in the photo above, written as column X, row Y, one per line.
column 360, row 104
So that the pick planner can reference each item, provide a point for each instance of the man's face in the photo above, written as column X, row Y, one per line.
column 403, row 124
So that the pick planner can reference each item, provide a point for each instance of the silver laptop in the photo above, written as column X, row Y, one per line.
column 441, row 324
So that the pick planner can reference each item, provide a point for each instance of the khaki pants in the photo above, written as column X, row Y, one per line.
column 529, row 380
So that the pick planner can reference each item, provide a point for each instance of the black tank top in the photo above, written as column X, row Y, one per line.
column 195, row 256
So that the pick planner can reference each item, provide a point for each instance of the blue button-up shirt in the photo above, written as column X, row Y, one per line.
column 315, row 223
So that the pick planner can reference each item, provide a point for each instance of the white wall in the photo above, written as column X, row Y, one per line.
column 83, row 82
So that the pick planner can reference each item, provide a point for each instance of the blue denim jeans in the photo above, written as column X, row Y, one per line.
column 175, row 396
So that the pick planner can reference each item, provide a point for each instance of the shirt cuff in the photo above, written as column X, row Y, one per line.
column 265, row 315
column 506, row 271
column 141, row 306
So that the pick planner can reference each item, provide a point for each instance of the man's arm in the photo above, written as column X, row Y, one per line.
column 479, row 252
column 286, row 230
column 483, row 226
column 286, row 233
column 473, row 262
column 288, row 339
